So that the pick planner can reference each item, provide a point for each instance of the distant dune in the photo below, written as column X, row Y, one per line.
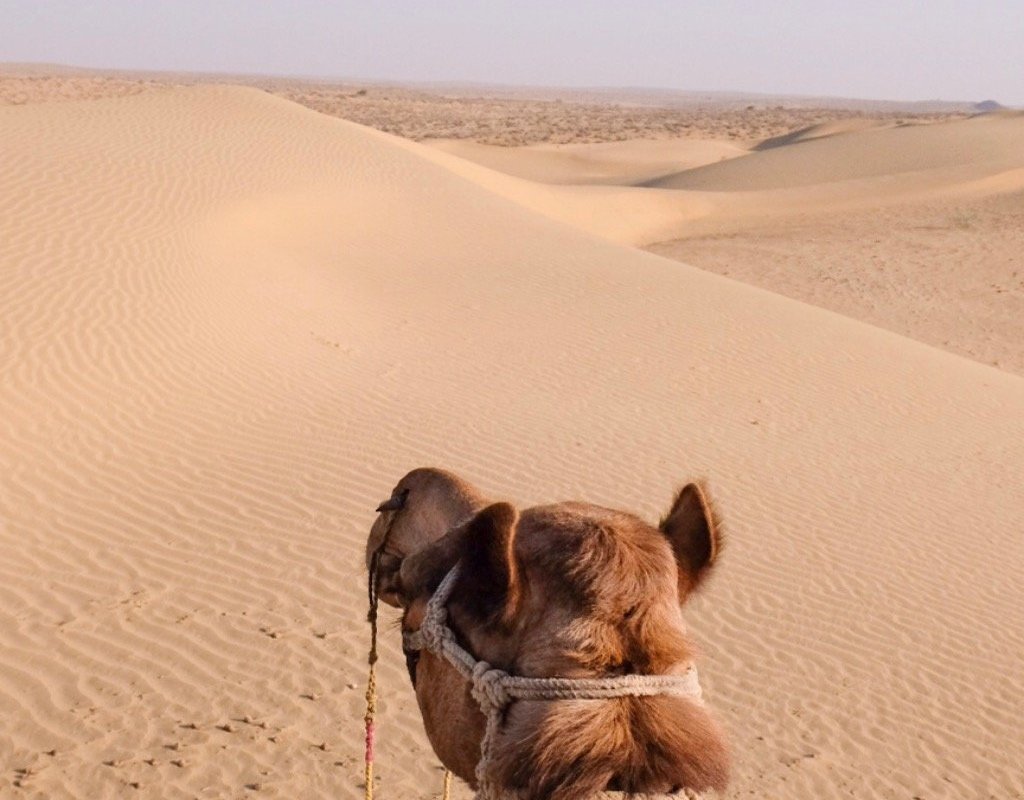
column 821, row 131
column 980, row 146
column 626, row 163
column 229, row 323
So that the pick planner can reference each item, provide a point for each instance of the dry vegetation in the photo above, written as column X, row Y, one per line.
column 490, row 117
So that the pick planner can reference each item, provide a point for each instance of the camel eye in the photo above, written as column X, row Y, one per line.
column 395, row 502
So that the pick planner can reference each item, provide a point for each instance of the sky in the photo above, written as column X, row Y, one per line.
column 892, row 50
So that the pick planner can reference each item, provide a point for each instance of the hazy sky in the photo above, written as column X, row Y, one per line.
column 949, row 49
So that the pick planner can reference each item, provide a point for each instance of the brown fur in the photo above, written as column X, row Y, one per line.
column 567, row 590
column 573, row 749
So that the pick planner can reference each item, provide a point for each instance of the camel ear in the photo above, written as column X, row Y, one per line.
column 692, row 529
column 489, row 575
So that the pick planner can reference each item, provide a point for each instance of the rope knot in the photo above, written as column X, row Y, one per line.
column 433, row 633
column 489, row 687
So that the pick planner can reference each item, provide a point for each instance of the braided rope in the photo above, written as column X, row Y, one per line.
column 369, row 718
column 494, row 689
column 369, row 722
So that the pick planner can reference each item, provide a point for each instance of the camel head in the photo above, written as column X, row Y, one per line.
column 423, row 507
column 572, row 591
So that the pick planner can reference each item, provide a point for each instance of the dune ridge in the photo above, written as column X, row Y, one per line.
column 229, row 324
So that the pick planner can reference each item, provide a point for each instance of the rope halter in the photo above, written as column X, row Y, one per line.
column 494, row 689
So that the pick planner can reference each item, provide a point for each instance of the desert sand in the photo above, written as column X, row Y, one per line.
column 230, row 323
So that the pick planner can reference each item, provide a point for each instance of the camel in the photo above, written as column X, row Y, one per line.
column 570, row 590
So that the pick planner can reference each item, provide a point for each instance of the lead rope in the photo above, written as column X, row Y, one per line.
column 370, row 718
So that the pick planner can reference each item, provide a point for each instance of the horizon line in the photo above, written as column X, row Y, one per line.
column 486, row 84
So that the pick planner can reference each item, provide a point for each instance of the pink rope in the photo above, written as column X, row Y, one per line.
column 370, row 735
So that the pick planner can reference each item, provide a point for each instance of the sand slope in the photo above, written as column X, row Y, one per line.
column 228, row 324
column 947, row 270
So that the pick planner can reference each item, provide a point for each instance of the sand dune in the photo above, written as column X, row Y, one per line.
column 837, row 166
column 989, row 143
column 229, row 323
column 932, row 253
column 627, row 163
column 916, row 229
column 824, row 130
column 623, row 214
